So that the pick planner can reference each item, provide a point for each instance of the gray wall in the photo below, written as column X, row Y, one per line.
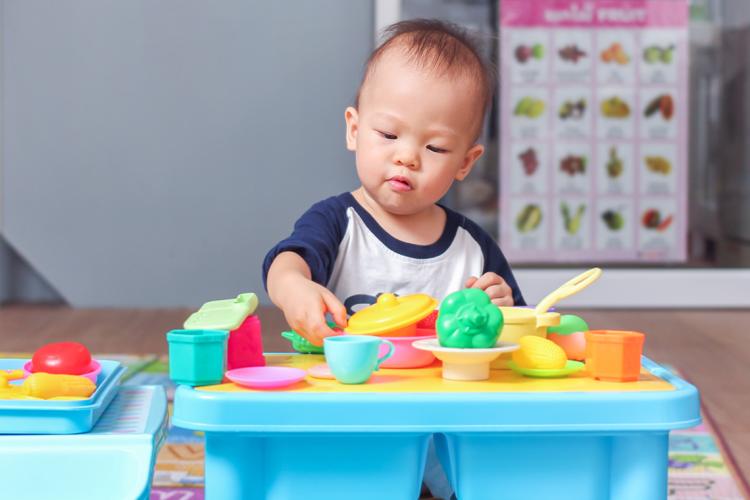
column 153, row 151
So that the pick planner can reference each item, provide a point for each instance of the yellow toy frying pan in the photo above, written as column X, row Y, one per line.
column 571, row 287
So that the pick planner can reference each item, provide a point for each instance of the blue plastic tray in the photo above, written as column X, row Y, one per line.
column 59, row 417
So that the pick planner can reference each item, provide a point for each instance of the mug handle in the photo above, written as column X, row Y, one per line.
column 391, row 347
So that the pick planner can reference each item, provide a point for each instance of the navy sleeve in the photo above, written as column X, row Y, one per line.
column 494, row 260
column 315, row 238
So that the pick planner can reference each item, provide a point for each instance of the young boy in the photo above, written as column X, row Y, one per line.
column 414, row 127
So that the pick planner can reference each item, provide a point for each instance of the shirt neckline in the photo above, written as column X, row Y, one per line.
column 402, row 247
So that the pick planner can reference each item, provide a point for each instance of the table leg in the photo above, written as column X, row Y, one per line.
column 573, row 466
column 314, row 466
column 639, row 466
column 234, row 467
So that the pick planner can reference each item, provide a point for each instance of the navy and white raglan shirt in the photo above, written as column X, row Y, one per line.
column 356, row 259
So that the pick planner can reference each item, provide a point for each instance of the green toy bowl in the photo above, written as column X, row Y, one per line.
column 569, row 368
column 301, row 344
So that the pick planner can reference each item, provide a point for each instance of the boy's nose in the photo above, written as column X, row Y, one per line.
column 405, row 157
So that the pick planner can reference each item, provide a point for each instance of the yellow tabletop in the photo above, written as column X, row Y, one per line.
column 429, row 379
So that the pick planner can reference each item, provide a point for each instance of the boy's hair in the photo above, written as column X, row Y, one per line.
column 439, row 46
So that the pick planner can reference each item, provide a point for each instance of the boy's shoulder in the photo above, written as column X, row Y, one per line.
column 474, row 229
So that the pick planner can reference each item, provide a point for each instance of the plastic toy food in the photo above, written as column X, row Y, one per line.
column 615, row 53
column 245, row 344
column 614, row 107
column 529, row 107
column 663, row 104
column 428, row 323
column 70, row 358
column 539, row 353
column 469, row 320
column 304, row 346
column 529, row 218
column 45, row 386
column 570, row 335
column 92, row 375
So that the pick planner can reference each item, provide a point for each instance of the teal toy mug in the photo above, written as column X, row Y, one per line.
column 353, row 358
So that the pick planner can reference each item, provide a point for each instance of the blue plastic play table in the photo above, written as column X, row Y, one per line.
column 507, row 437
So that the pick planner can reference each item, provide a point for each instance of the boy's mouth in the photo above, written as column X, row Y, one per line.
column 399, row 183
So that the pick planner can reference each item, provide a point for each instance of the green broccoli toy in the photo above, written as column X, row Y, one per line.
column 469, row 320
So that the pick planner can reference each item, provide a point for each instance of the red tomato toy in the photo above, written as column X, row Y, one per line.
column 68, row 358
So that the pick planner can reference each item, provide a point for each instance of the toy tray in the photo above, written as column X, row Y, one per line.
column 59, row 417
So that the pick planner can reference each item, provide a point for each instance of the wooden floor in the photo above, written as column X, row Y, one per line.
column 711, row 348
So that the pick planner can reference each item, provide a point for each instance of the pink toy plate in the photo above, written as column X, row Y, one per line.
column 92, row 375
column 321, row 371
column 265, row 377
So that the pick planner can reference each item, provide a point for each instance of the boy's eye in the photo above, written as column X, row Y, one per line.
column 436, row 149
column 386, row 135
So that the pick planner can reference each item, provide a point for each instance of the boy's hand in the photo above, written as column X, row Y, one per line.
column 305, row 306
column 493, row 285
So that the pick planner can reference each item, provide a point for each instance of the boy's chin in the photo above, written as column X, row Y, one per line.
column 402, row 207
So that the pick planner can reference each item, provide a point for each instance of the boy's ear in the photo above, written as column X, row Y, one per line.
column 470, row 159
column 352, row 128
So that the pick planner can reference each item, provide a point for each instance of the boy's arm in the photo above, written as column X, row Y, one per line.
column 286, row 266
column 296, row 269
column 303, row 302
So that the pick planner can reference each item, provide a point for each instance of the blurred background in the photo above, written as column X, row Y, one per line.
column 152, row 152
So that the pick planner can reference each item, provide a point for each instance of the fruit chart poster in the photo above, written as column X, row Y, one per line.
column 593, row 130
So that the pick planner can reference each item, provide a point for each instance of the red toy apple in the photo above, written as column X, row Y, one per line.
column 68, row 358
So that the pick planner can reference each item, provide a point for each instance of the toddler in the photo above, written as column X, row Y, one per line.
column 414, row 128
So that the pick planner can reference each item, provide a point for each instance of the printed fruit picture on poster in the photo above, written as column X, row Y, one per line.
column 529, row 107
column 571, row 53
column 615, row 54
column 524, row 53
column 614, row 164
column 615, row 107
column 529, row 161
column 529, row 218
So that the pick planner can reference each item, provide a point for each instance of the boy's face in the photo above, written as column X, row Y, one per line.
column 413, row 133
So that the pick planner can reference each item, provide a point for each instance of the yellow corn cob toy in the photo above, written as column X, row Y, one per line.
column 47, row 385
